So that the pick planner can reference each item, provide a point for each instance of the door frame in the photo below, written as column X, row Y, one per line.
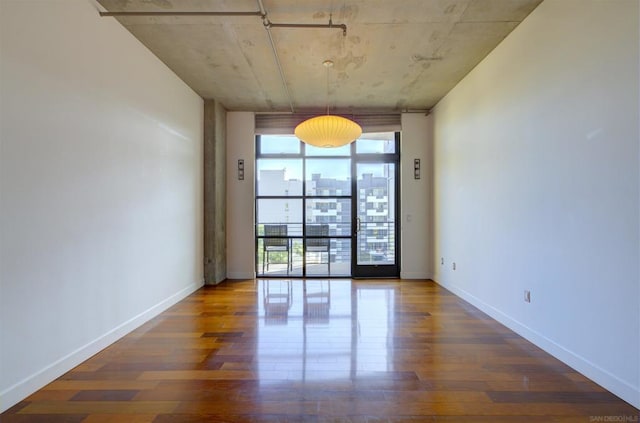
column 383, row 270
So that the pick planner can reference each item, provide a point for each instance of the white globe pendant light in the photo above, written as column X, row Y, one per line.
column 328, row 131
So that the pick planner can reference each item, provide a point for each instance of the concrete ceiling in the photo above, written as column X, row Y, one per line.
column 397, row 54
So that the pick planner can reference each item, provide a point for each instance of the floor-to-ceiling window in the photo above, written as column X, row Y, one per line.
column 327, row 212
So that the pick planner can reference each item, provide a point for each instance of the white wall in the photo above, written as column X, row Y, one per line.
column 101, row 188
column 415, row 207
column 240, row 195
column 536, row 186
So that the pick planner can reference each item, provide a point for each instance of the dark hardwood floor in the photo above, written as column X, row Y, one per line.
column 322, row 351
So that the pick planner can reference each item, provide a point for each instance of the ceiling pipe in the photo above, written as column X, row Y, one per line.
column 266, row 23
column 258, row 13
column 262, row 13
column 330, row 25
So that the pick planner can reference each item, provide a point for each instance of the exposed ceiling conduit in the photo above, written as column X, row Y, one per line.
column 330, row 25
column 180, row 13
column 265, row 22
column 268, row 25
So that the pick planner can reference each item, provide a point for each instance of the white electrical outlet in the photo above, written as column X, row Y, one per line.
column 527, row 296
column 441, row 260
column 454, row 265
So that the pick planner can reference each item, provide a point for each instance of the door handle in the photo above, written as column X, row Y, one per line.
column 357, row 225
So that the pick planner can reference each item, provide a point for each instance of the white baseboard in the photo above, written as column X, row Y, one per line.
column 609, row 381
column 414, row 275
column 17, row 392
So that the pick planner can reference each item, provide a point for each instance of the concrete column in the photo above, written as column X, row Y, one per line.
column 215, row 268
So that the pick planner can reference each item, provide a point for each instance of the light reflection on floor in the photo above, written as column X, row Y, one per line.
column 318, row 330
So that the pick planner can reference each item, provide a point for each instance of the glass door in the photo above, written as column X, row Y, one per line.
column 375, row 235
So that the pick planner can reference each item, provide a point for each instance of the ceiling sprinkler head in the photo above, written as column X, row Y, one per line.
column 327, row 63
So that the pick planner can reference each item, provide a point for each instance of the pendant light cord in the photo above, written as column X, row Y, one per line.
column 328, row 95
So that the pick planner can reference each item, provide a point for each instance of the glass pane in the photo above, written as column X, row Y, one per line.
column 287, row 212
column 328, row 256
column 279, row 177
column 296, row 257
column 333, row 212
column 376, row 213
column 279, row 252
column 279, row 144
column 376, row 143
column 328, row 177
column 279, row 256
column 318, row 256
column 345, row 150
